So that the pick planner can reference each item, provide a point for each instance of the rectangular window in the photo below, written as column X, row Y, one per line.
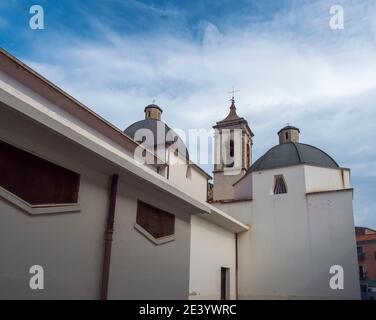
column 362, row 272
column 361, row 253
column 36, row 180
column 157, row 222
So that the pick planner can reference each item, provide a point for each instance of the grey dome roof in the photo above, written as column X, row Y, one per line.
column 153, row 106
column 292, row 153
column 158, row 126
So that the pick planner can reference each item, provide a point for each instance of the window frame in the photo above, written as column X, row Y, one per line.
column 149, row 235
column 43, row 208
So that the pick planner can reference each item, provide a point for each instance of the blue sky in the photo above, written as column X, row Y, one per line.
column 117, row 56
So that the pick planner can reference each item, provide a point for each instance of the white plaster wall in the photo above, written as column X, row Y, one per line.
column 139, row 268
column 280, row 255
column 332, row 239
column 323, row 179
column 196, row 186
column 212, row 247
column 70, row 245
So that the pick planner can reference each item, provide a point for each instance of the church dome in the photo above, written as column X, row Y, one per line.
column 158, row 127
column 293, row 153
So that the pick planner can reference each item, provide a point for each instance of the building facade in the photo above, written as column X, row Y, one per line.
column 366, row 249
column 103, row 224
column 75, row 202
column 298, row 202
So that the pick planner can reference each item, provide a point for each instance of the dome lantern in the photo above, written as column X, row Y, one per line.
column 288, row 134
column 152, row 111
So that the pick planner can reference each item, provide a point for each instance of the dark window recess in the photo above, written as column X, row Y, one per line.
column 224, row 283
column 279, row 186
column 35, row 180
column 230, row 156
column 232, row 148
column 157, row 222
column 248, row 155
column 287, row 135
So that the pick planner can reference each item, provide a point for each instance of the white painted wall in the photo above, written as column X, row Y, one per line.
column 141, row 269
column 212, row 247
column 332, row 238
column 195, row 186
column 319, row 178
column 70, row 245
column 286, row 252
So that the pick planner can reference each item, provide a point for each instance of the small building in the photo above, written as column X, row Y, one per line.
column 366, row 249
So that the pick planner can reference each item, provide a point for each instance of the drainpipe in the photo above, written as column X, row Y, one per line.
column 108, row 236
column 236, row 268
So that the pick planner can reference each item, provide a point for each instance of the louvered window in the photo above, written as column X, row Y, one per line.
column 279, row 185
column 35, row 180
column 156, row 222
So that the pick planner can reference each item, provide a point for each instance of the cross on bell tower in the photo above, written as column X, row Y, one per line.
column 232, row 92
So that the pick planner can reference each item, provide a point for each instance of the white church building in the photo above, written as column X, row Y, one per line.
column 82, row 218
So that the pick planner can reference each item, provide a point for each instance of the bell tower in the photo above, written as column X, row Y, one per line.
column 232, row 153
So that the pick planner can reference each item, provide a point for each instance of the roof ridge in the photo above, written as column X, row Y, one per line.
column 297, row 151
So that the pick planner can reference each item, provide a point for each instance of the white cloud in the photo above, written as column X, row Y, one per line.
column 291, row 69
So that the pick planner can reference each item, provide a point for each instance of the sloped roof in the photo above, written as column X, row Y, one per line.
column 232, row 116
column 232, row 119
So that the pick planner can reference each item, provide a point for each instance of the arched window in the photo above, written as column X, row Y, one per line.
column 279, row 185
column 230, row 154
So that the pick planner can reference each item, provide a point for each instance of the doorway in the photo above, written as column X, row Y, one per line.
column 225, row 283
